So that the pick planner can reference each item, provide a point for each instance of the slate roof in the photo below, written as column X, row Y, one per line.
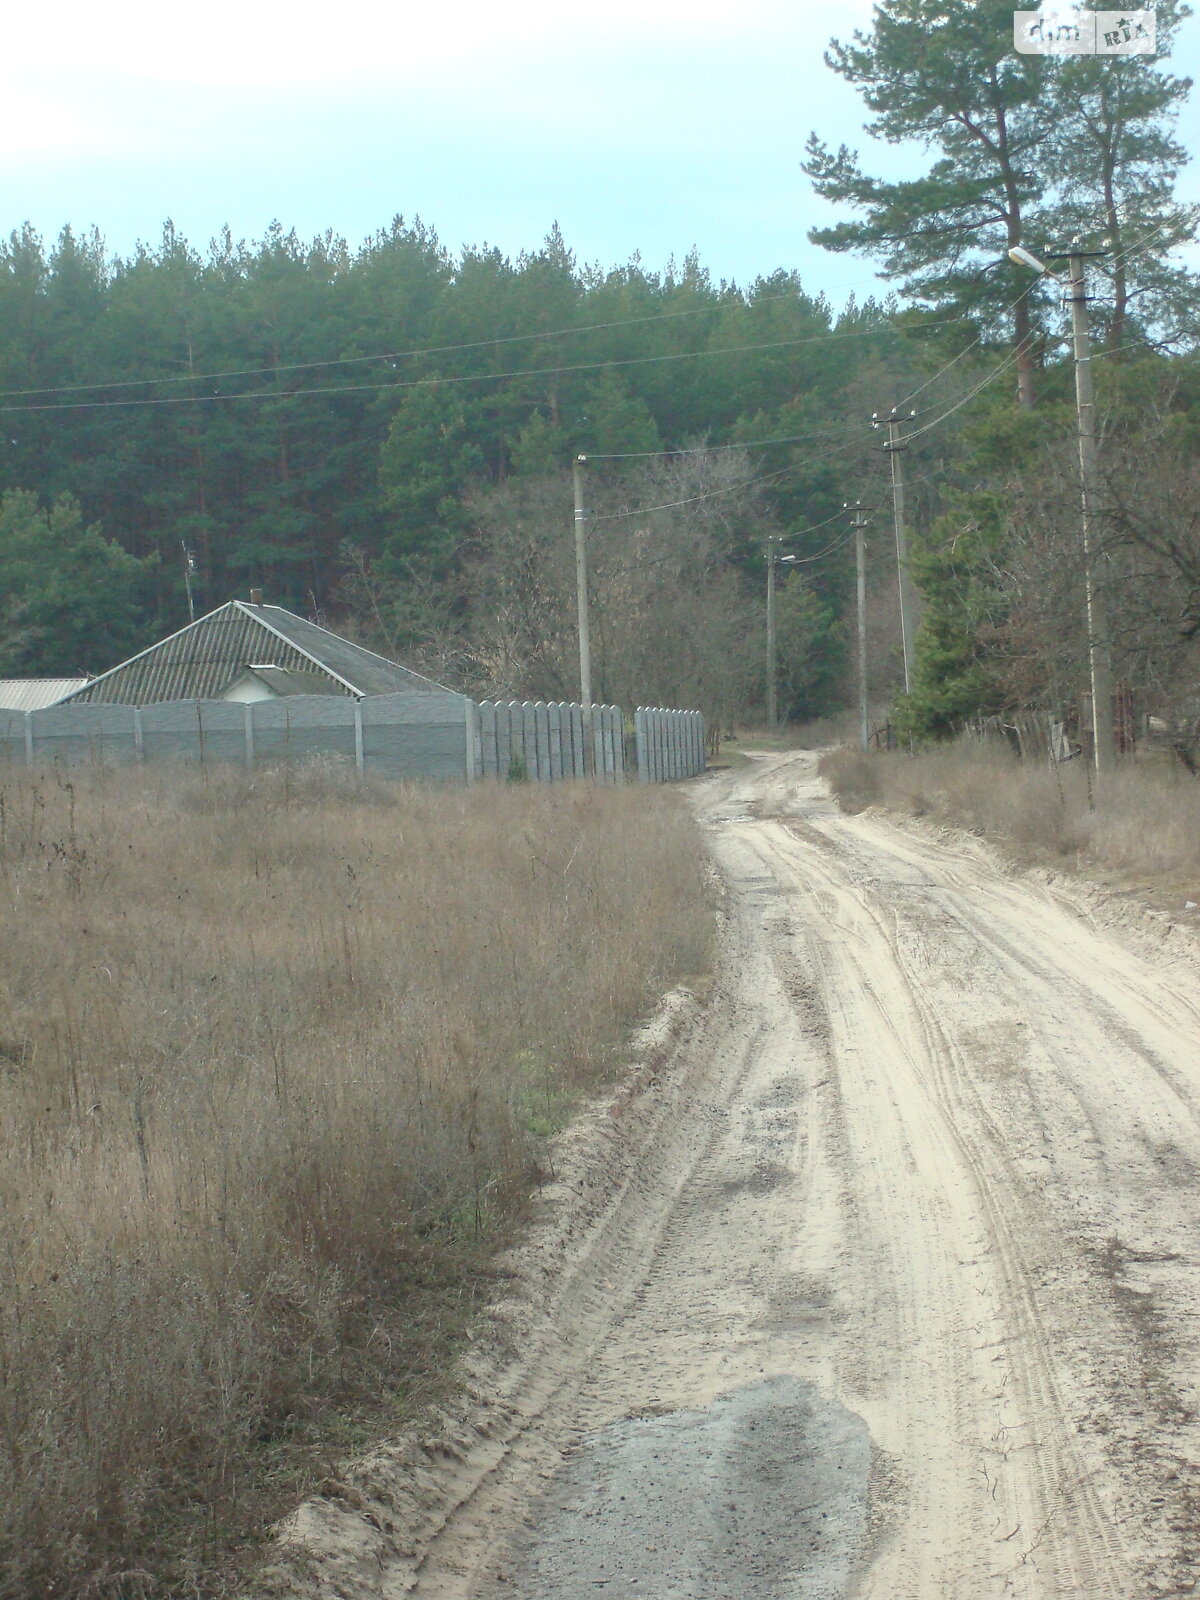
column 201, row 661
column 35, row 694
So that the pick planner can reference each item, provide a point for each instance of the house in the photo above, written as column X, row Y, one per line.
column 34, row 694
column 247, row 653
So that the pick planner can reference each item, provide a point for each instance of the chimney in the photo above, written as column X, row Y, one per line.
column 256, row 597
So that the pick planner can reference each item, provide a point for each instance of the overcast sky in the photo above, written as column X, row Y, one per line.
column 639, row 125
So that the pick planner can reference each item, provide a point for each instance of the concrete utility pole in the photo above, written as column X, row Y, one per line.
column 893, row 447
column 581, row 593
column 772, row 669
column 860, row 566
column 772, row 708
column 1098, row 643
column 1099, row 648
column 581, row 583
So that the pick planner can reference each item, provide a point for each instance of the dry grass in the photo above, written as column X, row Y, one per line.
column 1145, row 823
column 275, row 1057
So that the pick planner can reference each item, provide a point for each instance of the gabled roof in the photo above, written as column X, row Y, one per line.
column 35, row 694
column 201, row 661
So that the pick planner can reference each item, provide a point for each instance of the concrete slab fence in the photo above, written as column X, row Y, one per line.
column 670, row 744
column 440, row 736
column 547, row 741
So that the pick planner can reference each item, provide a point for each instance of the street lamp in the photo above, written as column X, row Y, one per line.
column 1099, row 661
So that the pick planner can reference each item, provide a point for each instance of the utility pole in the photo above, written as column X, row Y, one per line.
column 771, row 705
column 1099, row 647
column 860, row 566
column 893, row 447
column 1099, row 650
column 581, row 592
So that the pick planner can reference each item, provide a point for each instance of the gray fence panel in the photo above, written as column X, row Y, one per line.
column 614, row 737
column 670, row 744
column 12, row 737
column 415, row 735
column 306, row 727
column 79, row 733
column 488, row 761
column 541, row 737
column 524, row 715
column 191, row 730
column 554, row 724
column 472, row 755
column 511, row 750
column 639, row 734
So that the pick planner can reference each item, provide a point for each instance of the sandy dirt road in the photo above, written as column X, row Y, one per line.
column 899, row 1297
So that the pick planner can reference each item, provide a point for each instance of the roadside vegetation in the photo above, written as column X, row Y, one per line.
column 278, row 1055
column 1142, row 825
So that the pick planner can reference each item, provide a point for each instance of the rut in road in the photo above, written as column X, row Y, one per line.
column 898, row 1296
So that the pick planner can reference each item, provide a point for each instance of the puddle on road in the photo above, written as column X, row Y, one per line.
column 761, row 1495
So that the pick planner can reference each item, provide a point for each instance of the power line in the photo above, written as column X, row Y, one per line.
column 1142, row 244
column 1005, row 365
column 711, row 449
column 803, row 561
column 393, row 355
column 1003, row 312
column 434, row 350
column 416, row 383
column 671, row 505
column 1136, row 248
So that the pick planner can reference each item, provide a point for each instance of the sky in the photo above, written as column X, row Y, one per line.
column 639, row 126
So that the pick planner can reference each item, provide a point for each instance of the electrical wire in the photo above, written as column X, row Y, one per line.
column 1136, row 248
column 975, row 343
column 711, row 449
column 839, row 543
column 416, row 383
column 671, row 505
column 432, row 350
column 1141, row 245
column 1005, row 365
column 392, row 355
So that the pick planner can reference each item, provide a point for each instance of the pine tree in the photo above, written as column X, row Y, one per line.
column 1117, row 158
column 944, row 72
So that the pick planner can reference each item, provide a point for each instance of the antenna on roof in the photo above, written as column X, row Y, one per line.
column 189, row 572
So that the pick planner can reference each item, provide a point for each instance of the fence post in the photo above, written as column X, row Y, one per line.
column 472, row 733
column 29, row 738
column 489, row 754
column 360, row 758
column 249, row 726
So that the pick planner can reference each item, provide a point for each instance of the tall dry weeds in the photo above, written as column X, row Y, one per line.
column 1143, row 820
column 274, row 1057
